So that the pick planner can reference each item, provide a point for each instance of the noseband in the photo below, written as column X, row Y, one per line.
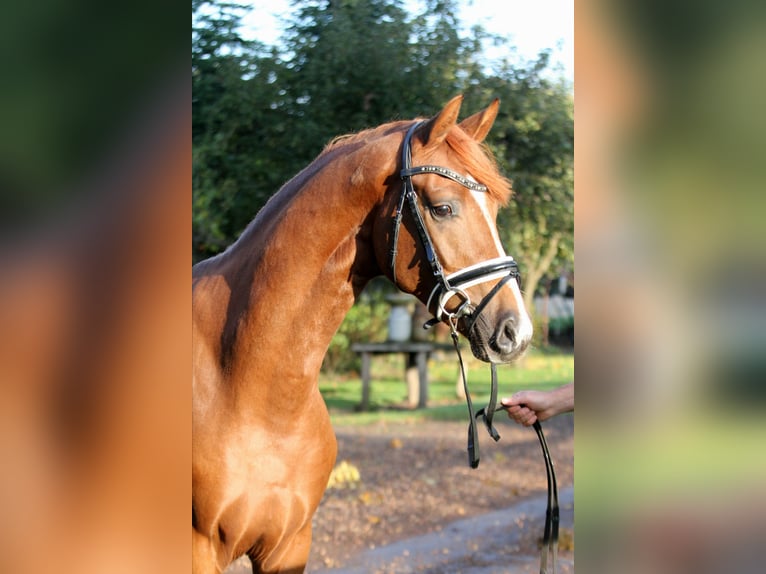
column 455, row 285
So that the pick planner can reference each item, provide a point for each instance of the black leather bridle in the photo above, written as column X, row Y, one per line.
column 455, row 285
column 447, row 286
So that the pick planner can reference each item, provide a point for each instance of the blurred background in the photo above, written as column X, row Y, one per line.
column 670, row 245
column 95, row 210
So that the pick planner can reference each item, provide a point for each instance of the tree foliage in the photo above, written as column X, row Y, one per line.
column 534, row 141
column 261, row 114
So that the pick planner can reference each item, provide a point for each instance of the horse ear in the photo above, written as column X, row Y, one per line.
column 478, row 125
column 437, row 128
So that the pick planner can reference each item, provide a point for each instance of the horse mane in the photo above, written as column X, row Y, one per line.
column 361, row 136
column 477, row 157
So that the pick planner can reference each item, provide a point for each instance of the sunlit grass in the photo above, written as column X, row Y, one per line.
column 388, row 394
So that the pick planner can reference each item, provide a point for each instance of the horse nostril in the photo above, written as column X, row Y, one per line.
column 505, row 338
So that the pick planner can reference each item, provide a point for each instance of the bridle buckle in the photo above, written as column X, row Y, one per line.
column 464, row 308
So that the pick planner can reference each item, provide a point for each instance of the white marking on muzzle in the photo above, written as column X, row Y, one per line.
column 481, row 200
column 524, row 328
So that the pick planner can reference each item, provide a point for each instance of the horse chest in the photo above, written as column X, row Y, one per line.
column 266, row 488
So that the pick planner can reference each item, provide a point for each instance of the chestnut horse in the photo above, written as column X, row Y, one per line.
column 265, row 310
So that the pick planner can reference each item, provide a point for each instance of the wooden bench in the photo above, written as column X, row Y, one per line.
column 416, row 369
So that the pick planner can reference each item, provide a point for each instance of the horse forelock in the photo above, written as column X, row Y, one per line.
column 481, row 164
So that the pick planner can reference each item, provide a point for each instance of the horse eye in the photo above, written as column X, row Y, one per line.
column 441, row 211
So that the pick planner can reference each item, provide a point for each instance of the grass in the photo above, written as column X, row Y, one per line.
column 388, row 390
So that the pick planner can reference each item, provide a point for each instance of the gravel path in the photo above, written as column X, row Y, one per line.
column 484, row 544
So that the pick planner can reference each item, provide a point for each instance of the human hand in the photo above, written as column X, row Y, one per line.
column 527, row 407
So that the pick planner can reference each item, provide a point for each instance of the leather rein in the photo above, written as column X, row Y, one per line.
column 455, row 285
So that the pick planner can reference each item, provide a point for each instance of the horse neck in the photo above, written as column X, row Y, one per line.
column 295, row 273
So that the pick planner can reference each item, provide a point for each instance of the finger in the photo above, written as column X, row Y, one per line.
column 519, row 414
column 517, row 410
column 515, row 399
column 508, row 402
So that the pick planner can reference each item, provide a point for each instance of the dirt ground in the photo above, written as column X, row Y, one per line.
column 414, row 479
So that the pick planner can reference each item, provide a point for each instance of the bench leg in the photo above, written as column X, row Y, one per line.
column 422, row 362
column 365, row 404
column 412, row 377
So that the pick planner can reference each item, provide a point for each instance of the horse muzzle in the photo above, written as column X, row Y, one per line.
column 498, row 327
column 499, row 341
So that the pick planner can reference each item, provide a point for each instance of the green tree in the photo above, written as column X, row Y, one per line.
column 236, row 165
column 439, row 55
column 533, row 139
column 346, row 66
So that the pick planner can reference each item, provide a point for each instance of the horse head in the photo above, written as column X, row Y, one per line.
column 437, row 236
